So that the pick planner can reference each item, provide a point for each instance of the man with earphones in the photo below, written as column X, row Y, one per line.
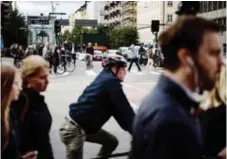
column 165, row 127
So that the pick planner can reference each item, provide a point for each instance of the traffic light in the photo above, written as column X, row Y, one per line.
column 155, row 26
column 57, row 26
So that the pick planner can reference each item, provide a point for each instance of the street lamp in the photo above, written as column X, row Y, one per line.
column 42, row 26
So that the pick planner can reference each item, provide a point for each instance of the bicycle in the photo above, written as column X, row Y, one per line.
column 88, row 61
column 66, row 64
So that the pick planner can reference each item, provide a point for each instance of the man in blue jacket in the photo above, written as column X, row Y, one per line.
column 165, row 127
column 102, row 99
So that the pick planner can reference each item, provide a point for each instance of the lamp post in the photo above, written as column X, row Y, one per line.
column 42, row 26
column 81, row 40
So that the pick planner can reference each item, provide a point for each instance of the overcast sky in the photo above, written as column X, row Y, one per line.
column 37, row 7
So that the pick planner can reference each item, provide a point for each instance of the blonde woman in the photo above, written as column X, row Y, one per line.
column 10, row 90
column 36, row 119
column 213, row 119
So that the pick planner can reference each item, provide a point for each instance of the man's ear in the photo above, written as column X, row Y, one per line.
column 183, row 56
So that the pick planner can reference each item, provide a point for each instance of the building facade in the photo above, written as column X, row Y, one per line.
column 216, row 11
column 36, row 24
column 95, row 11
column 129, row 13
column 112, row 13
column 164, row 11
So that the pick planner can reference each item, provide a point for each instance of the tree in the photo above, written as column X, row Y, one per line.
column 123, row 37
column 15, row 31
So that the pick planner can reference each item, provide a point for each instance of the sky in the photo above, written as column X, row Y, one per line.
column 37, row 7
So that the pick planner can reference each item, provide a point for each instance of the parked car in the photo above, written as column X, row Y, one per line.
column 98, row 55
column 108, row 53
column 125, row 52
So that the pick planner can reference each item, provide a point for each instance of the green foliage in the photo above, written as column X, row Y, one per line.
column 114, row 38
column 12, row 32
column 123, row 37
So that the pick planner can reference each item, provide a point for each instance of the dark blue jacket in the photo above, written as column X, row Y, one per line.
column 102, row 99
column 164, row 128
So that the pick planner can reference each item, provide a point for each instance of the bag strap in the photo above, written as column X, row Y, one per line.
column 25, row 110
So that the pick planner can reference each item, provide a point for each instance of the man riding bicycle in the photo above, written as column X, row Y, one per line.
column 101, row 100
column 89, row 56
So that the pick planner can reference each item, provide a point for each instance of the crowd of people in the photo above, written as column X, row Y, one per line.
column 171, row 123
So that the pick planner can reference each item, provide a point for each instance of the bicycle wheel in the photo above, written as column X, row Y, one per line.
column 61, row 69
column 70, row 66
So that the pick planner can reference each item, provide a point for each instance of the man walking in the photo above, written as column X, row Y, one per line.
column 165, row 127
column 134, row 59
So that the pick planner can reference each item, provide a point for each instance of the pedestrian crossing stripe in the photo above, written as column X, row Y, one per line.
column 90, row 72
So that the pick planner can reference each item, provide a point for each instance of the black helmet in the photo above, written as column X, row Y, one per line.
column 116, row 60
column 188, row 7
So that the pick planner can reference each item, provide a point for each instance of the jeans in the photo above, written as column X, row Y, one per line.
column 73, row 136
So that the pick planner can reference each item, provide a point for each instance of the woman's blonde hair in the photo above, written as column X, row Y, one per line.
column 7, row 80
column 217, row 96
column 31, row 66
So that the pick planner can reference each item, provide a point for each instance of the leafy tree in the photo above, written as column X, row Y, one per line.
column 15, row 30
column 123, row 37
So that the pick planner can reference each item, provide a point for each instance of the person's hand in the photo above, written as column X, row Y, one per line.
column 30, row 155
column 222, row 154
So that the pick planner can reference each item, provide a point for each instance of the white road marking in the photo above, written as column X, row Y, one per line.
column 153, row 72
column 90, row 72
column 135, row 88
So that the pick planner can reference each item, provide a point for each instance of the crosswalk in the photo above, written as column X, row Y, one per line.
column 132, row 72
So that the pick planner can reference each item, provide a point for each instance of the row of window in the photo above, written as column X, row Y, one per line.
column 207, row 6
column 44, row 22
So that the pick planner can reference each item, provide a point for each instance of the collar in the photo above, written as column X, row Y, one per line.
column 180, row 93
column 33, row 94
column 190, row 94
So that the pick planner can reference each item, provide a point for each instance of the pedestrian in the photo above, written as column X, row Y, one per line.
column 165, row 127
column 34, row 118
column 213, row 118
column 10, row 90
column 101, row 100
column 134, row 59
column 89, row 56
column 149, row 56
column 56, row 58
column 142, row 54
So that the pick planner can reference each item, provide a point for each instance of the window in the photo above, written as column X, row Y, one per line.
column 210, row 6
column 169, row 3
column 220, row 4
column 205, row 6
column 169, row 18
column 215, row 5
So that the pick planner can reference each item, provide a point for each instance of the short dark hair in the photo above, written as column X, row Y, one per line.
column 186, row 32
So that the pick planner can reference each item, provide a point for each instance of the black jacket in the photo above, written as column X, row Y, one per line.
column 35, row 127
column 164, row 128
column 90, row 50
column 102, row 99
column 12, row 150
column 213, row 122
